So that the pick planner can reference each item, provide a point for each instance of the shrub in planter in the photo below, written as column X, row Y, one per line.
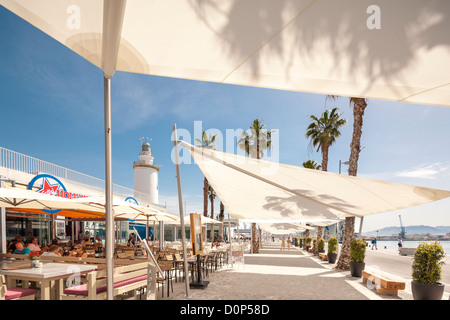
column 308, row 243
column 332, row 249
column 321, row 245
column 427, row 272
column 357, row 256
column 296, row 242
column 301, row 242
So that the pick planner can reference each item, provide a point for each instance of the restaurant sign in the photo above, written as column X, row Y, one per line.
column 52, row 186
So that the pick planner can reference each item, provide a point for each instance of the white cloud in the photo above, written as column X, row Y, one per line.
column 423, row 171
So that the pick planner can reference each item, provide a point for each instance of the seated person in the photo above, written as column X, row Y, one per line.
column 215, row 244
column 53, row 251
column 34, row 246
column 20, row 249
column 79, row 251
column 86, row 240
column 131, row 240
column 12, row 244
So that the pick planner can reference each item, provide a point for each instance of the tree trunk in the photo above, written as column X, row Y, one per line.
column 359, row 105
column 211, row 198
column 211, row 235
column 221, row 218
column 319, row 236
column 344, row 257
column 205, row 197
column 255, row 246
column 255, row 241
column 325, row 157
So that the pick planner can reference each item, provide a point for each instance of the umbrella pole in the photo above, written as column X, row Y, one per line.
column 180, row 205
column 2, row 223
column 230, row 240
column 360, row 227
column 109, row 219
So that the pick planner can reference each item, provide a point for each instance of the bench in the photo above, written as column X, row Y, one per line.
column 15, row 293
column 127, row 279
column 384, row 283
column 323, row 256
column 15, row 256
column 406, row 251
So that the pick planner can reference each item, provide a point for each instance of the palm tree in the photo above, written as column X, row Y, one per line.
column 323, row 133
column 255, row 144
column 311, row 164
column 207, row 142
column 359, row 106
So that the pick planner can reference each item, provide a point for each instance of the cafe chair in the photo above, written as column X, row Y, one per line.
column 166, row 267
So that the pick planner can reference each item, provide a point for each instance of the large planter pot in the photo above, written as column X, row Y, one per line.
column 427, row 291
column 332, row 257
column 356, row 268
column 307, row 248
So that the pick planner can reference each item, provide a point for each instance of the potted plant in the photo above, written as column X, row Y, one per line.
column 321, row 246
column 332, row 249
column 357, row 256
column 34, row 257
column 427, row 272
column 308, row 243
column 301, row 242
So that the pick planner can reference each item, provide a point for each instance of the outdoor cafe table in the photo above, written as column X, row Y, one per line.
column 48, row 273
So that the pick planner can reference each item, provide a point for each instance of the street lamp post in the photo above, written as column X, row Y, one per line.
column 341, row 163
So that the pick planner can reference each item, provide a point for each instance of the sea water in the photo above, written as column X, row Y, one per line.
column 407, row 244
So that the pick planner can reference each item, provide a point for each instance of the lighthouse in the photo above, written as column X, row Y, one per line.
column 146, row 176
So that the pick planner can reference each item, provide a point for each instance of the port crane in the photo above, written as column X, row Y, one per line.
column 403, row 231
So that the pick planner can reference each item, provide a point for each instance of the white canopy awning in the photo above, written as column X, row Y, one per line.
column 262, row 190
column 205, row 220
column 284, row 228
column 391, row 50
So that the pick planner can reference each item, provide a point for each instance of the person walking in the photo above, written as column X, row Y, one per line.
column 283, row 243
column 374, row 244
column 289, row 243
column 400, row 243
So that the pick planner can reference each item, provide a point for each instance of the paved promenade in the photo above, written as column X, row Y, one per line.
column 283, row 275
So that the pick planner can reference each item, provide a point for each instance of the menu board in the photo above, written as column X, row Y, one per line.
column 196, row 233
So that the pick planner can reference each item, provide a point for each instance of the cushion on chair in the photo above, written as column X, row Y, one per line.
column 15, row 292
column 82, row 290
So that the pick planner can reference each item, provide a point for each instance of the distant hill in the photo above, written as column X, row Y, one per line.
column 410, row 230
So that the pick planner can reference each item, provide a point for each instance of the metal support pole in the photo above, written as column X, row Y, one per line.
column 338, row 235
column 2, row 224
column 161, row 236
column 360, row 227
column 109, row 219
column 180, row 205
column 230, row 240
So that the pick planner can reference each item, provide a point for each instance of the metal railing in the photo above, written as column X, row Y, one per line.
column 23, row 163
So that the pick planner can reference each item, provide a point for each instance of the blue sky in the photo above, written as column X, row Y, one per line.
column 51, row 103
